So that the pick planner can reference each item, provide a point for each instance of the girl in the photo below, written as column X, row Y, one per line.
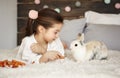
column 42, row 42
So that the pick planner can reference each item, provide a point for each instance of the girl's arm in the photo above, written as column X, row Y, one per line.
column 26, row 54
column 50, row 56
column 37, row 48
column 56, row 46
column 54, row 51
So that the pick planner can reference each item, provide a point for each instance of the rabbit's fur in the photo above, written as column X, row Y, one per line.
column 86, row 51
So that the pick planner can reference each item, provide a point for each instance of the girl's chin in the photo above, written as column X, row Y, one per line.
column 49, row 41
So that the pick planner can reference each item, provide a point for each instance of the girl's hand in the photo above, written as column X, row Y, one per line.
column 51, row 56
column 36, row 48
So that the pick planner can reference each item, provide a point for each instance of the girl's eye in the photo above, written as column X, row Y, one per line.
column 56, row 32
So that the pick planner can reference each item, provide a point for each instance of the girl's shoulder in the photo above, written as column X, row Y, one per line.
column 28, row 39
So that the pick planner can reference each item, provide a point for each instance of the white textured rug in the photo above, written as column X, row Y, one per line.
column 66, row 68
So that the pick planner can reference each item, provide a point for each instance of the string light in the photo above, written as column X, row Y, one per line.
column 117, row 5
column 107, row 1
column 57, row 9
column 37, row 1
column 77, row 3
column 67, row 8
column 45, row 6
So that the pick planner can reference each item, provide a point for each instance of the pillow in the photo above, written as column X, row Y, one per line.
column 100, row 18
column 109, row 34
column 70, row 29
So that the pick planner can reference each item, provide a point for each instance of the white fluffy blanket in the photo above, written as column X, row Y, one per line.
column 66, row 68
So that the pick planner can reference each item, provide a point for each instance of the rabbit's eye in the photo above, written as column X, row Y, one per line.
column 76, row 45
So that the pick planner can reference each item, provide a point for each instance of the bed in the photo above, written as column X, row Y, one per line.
column 107, row 32
column 64, row 68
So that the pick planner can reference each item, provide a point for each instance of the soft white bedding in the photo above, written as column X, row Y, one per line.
column 66, row 68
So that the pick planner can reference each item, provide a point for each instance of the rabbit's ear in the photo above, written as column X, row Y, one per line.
column 81, row 36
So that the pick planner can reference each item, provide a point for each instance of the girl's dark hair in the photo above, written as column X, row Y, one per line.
column 46, row 17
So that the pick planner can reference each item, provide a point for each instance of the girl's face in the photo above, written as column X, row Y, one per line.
column 52, row 33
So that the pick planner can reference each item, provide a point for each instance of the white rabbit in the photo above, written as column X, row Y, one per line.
column 86, row 51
